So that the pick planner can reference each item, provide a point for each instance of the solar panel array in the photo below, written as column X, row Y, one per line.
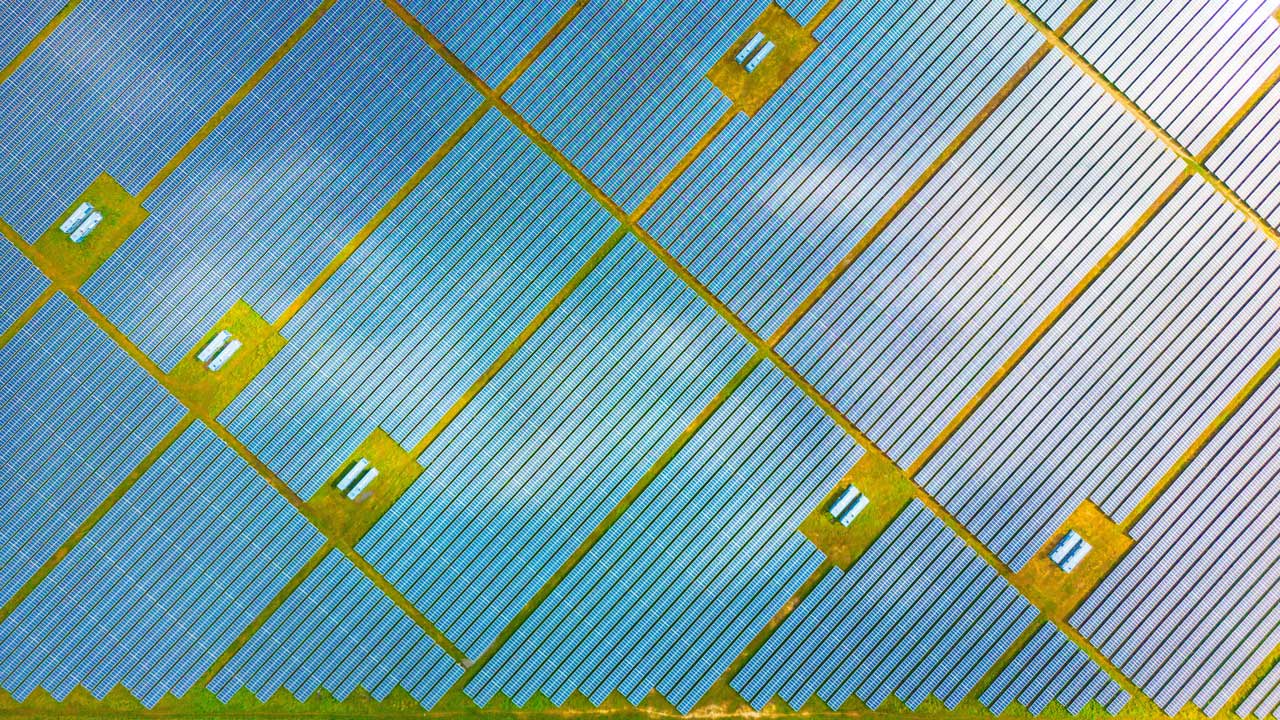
column 694, row 569
column 287, row 179
column 422, row 308
column 21, row 22
column 162, row 584
column 22, row 284
column 78, row 415
column 1189, row 66
column 776, row 200
column 1249, row 158
column 520, row 478
column 1264, row 699
column 919, row 614
column 119, row 87
column 1099, row 411
column 998, row 237
column 1191, row 611
column 1051, row 668
column 614, row 477
column 490, row 37
column 626, row 117
column 338, row 631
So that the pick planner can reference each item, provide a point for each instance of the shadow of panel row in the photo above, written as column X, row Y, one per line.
column 289, row 177
column 119, row 87
column 338, row 631
column 78, row 416
column 161, row 585
column 693, row 569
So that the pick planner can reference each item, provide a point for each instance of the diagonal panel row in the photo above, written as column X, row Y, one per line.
column 300, row 165
column 119, row 87
column 162, row 583
column 422, row 307
column 694, row 568
column 338, row 631
column 920, row 614
column 77, row 415
column 551, row 444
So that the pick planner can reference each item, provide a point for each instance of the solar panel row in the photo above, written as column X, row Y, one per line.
column 531, row 465
column 162, row 583
column 931, row 309
column 77, row 415
column 1122, row 383
column 422, row 308
column 694, row 568
column 338, row 631
column 300, row 165
column 1191, row 611
column 778, row 199
column 1051, row 668
column 919, row 614
column 119, row 87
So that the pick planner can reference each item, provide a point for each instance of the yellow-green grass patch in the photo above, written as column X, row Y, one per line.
column 212, row 391
column 749, row 91
column 1059, row 593
column 348, row 520
column 73, row 262
column 888, row 490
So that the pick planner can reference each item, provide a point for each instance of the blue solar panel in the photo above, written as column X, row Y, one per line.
column 1193, row 608
column 1189, row 65
column 694, row 568
column 1050, row 668
column 930, row 310
column 23, row 283
column 338, row 631
column 20, row 22
column 622, row 91
column 1120, row 386
column 919, row 614
column 162, row 584
column 423, row 307
column 776, row 200
column 288, row 178
column 490, row 37
column 77, row 415
column 532, row 464
column 119, row 87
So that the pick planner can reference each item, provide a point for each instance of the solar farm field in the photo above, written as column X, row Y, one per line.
column 641, row 359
